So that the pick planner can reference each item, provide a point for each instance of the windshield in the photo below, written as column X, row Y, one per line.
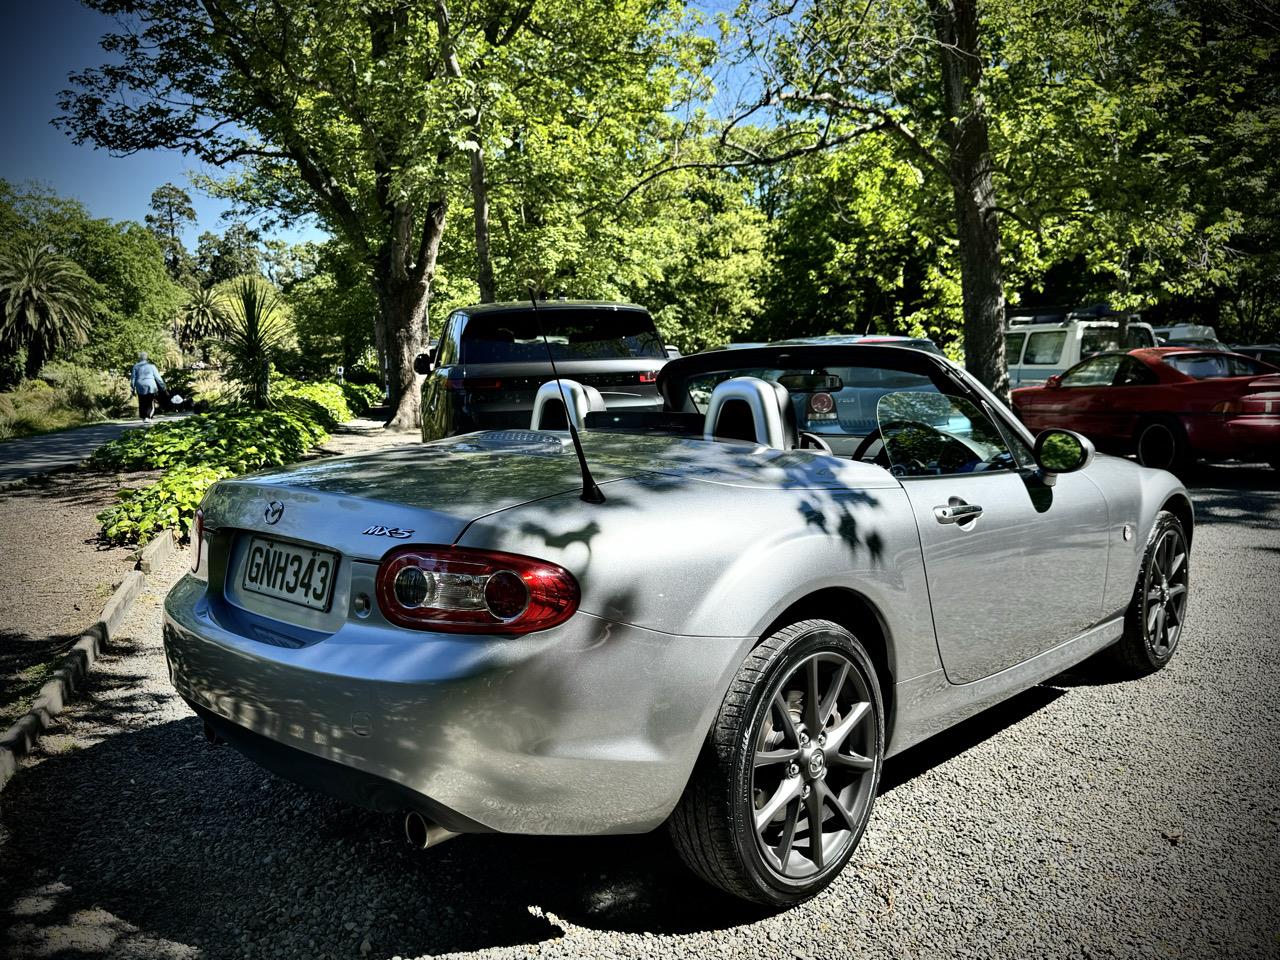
column 572, row 335
column 839, row 403
column 1215, row 366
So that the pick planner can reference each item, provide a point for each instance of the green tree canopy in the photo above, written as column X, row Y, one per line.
column 45, row 302
column 171, row 213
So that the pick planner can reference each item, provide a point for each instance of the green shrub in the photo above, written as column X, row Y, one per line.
column 362, row 396
column 169, row 503
column 205, row 447
column 240, row 440
column 80, row 396
column 92, row 393
column 330, row 397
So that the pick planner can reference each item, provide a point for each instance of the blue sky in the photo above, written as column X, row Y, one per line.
column 41, row 41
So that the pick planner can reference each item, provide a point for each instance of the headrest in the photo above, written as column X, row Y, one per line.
column 549, row 409
column 751, row 409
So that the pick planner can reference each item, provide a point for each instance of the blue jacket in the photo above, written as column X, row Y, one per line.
column 146, row 378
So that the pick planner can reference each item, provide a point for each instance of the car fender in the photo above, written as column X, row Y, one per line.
column 714, row 560
column 1135, row 495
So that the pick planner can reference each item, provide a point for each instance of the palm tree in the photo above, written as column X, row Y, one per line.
column 201, row 316
column 45, row 302
column 256, row 328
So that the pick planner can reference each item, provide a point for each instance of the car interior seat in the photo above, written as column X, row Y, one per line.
column 752, row 410
column 549, row 408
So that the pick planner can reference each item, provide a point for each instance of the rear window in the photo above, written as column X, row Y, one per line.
column 1139, row 337
column 1013, row 347
column 1097, row 339
column 572, row 335
column 1045, row 347
column 1214, row 366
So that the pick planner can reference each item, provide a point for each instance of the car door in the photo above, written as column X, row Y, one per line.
column 1014, row 567
column 1085, row 394
column 1013, row 343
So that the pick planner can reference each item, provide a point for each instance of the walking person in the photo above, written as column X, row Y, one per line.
column 146, row 382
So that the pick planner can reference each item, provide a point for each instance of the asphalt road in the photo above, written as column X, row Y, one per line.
column 1082, row 818
column 31, row 456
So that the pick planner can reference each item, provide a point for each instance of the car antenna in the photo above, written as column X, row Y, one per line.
column 591, row 493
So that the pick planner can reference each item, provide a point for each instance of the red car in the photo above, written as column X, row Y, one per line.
column 1169, row 405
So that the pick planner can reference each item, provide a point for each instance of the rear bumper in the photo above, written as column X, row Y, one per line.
column 592, row 727
column 1237, row 438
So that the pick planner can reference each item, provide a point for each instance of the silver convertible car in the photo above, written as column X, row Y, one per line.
column 810, row 559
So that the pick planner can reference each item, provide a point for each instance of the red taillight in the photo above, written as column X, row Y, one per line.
column 1251, row 405
column 197, row 540
column 457, row 590
column 649, row 376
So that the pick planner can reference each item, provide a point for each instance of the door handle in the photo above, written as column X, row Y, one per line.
column 957, row 511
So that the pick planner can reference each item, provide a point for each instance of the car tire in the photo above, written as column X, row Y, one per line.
column 1157, row 613
column 757, row 758
column 1162, row 444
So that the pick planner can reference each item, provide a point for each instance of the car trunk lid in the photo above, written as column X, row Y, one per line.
column 364, row 505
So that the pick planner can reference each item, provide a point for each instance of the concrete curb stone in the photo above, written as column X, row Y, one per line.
column 158, row 551
column 22, row 736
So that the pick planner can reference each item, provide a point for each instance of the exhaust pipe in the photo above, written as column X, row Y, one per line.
column 211, row 735
column 420, row 833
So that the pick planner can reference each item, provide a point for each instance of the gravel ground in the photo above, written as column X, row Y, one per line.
column 1081, row 819
column 54, row 574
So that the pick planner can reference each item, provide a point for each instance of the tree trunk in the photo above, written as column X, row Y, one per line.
column 479, row 186
column 35, row 358
column 480, row 205
column 977, row 218
column 404, row 292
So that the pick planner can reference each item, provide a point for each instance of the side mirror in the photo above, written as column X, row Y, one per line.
column 1054, row 382
column 422, row 364
column 1061, row 451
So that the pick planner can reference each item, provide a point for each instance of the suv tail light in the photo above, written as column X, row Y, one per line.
column 458, row 590
column 647, row 376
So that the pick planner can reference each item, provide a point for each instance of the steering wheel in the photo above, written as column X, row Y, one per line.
column 878, row 434
column 811, row 441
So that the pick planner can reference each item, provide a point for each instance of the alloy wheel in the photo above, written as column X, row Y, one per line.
column 813, row 766
column 1164, row 593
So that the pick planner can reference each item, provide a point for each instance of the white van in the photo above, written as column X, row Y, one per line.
column 1037, row 349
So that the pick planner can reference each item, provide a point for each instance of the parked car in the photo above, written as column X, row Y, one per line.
column 842, row 340
column 1170, row 406
column 1266, row 352
column 845, row 339
column 491, row 361
column 1037, row 349
column 1197, row 335
column 731, row 640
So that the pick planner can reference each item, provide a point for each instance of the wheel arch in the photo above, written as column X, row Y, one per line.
column 1179, row 504
column 857, row 614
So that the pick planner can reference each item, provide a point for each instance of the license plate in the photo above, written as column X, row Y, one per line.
column 288, row 571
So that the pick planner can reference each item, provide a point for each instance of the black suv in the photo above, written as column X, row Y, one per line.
column 490, row 361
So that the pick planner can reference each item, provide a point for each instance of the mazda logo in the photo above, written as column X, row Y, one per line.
column 274, row 511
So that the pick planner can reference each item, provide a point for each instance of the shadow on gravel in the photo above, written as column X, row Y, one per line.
column 1233, row 493
column 155, row 832
column 964, row 736
column 155, row 835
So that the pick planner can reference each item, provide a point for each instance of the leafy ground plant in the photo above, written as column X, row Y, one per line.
column 204, row 448
column 362, row 396
column 169, row 503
